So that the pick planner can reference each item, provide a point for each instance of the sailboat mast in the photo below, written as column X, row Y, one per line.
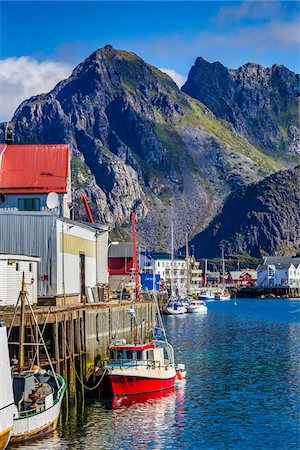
column 188, row 279
column 22, row 325
column 223, row 268
column 172, row 259
column 135, row 266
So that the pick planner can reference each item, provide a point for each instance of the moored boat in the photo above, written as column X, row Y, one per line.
column 141, row 368
column 207, row 295
column 6, row 397
column 174, row 307
column 197, row 306
column 37, row 393
column 222, row 295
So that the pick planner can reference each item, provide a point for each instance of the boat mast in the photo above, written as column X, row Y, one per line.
column 223, row 268
column 172, row 260
column 135, row 266
column 22, row 298
column 188, row 279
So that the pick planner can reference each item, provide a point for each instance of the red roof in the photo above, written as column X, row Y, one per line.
column 34, row 168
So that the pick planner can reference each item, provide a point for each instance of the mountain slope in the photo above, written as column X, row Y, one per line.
column 138, row 141
column 256, row 220
column 261, row 103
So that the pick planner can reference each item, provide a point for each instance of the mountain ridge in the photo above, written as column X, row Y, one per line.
column 138, row 140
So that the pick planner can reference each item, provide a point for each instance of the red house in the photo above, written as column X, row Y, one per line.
column 120, row 259
column 241, row 277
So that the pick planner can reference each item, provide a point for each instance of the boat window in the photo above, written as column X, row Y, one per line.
column 112, row 355
column 119, row 354
column 129, row 354
column 139, row 355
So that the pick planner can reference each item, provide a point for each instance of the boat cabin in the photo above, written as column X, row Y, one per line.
column 139, row 354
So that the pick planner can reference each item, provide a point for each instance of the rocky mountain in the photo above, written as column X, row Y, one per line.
column 138, row 141
column 257, row 220
column 260, row 103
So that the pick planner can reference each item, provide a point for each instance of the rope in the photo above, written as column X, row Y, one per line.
column 76, row 373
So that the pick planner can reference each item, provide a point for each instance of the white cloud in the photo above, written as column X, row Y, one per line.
column 21, row 78
column 177, row 77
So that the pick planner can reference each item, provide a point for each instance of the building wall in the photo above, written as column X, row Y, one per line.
column 12, row 202
column 72, row 241
column 102, row 257
column 11, row 279
column 120, row 266
column 33, row 234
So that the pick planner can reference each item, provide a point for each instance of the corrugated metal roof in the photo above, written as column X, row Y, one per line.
column 34, row 168
column 122, row 250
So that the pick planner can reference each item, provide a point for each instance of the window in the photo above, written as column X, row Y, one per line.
column 17, row 267
column 28, row 204
column 30, row 267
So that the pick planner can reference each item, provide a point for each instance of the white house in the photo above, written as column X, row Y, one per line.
column 161, row 264
column 12, row 268
column 279, row 271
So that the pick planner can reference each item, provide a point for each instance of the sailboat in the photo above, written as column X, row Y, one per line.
column 6, row 397
column 174, row 306
column 37, row 393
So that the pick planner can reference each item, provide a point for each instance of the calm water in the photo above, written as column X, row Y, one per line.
column 242, row 389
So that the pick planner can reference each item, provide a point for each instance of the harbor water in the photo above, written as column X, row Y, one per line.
column 242, row 389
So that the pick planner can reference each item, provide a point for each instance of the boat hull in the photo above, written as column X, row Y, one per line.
column 30, row 427
column 197, row 309
column 131, row 385
column 5, row 437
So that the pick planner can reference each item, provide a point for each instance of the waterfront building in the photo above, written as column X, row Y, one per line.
column 279, row 271
column 241, row 278
column 160, row 264
column 120, row 259
column 196, row 275
column 213, row 279
column 12, row 268
column 35, row 197
column 29, row 173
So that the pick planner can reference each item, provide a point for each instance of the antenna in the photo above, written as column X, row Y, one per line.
column 2, row 198
column 52, row 201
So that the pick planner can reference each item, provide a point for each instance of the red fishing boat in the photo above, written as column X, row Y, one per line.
column 141, row 368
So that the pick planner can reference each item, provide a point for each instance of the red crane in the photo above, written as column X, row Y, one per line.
column 87, row 208
column 135, row 264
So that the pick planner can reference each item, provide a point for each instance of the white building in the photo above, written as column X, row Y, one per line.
column 161, row 264
column 73, row 255
column 12, row 268
column 279, row 271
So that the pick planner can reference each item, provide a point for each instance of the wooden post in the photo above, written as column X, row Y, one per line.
column 57, row 357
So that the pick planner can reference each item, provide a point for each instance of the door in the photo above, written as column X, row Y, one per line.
column 82, row 275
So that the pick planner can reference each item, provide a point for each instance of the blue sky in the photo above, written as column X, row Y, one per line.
column 45, row 40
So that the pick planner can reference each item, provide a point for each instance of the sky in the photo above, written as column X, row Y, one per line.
column 42, row 41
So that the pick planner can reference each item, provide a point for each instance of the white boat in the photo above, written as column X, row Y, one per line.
column 38, row 400
column 222, row 295
column 174, row 307
column 197, row 306
column 6, row 397
column 37, row 393
column 207, row 295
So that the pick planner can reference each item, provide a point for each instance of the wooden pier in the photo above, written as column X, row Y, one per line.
column 76, row 336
